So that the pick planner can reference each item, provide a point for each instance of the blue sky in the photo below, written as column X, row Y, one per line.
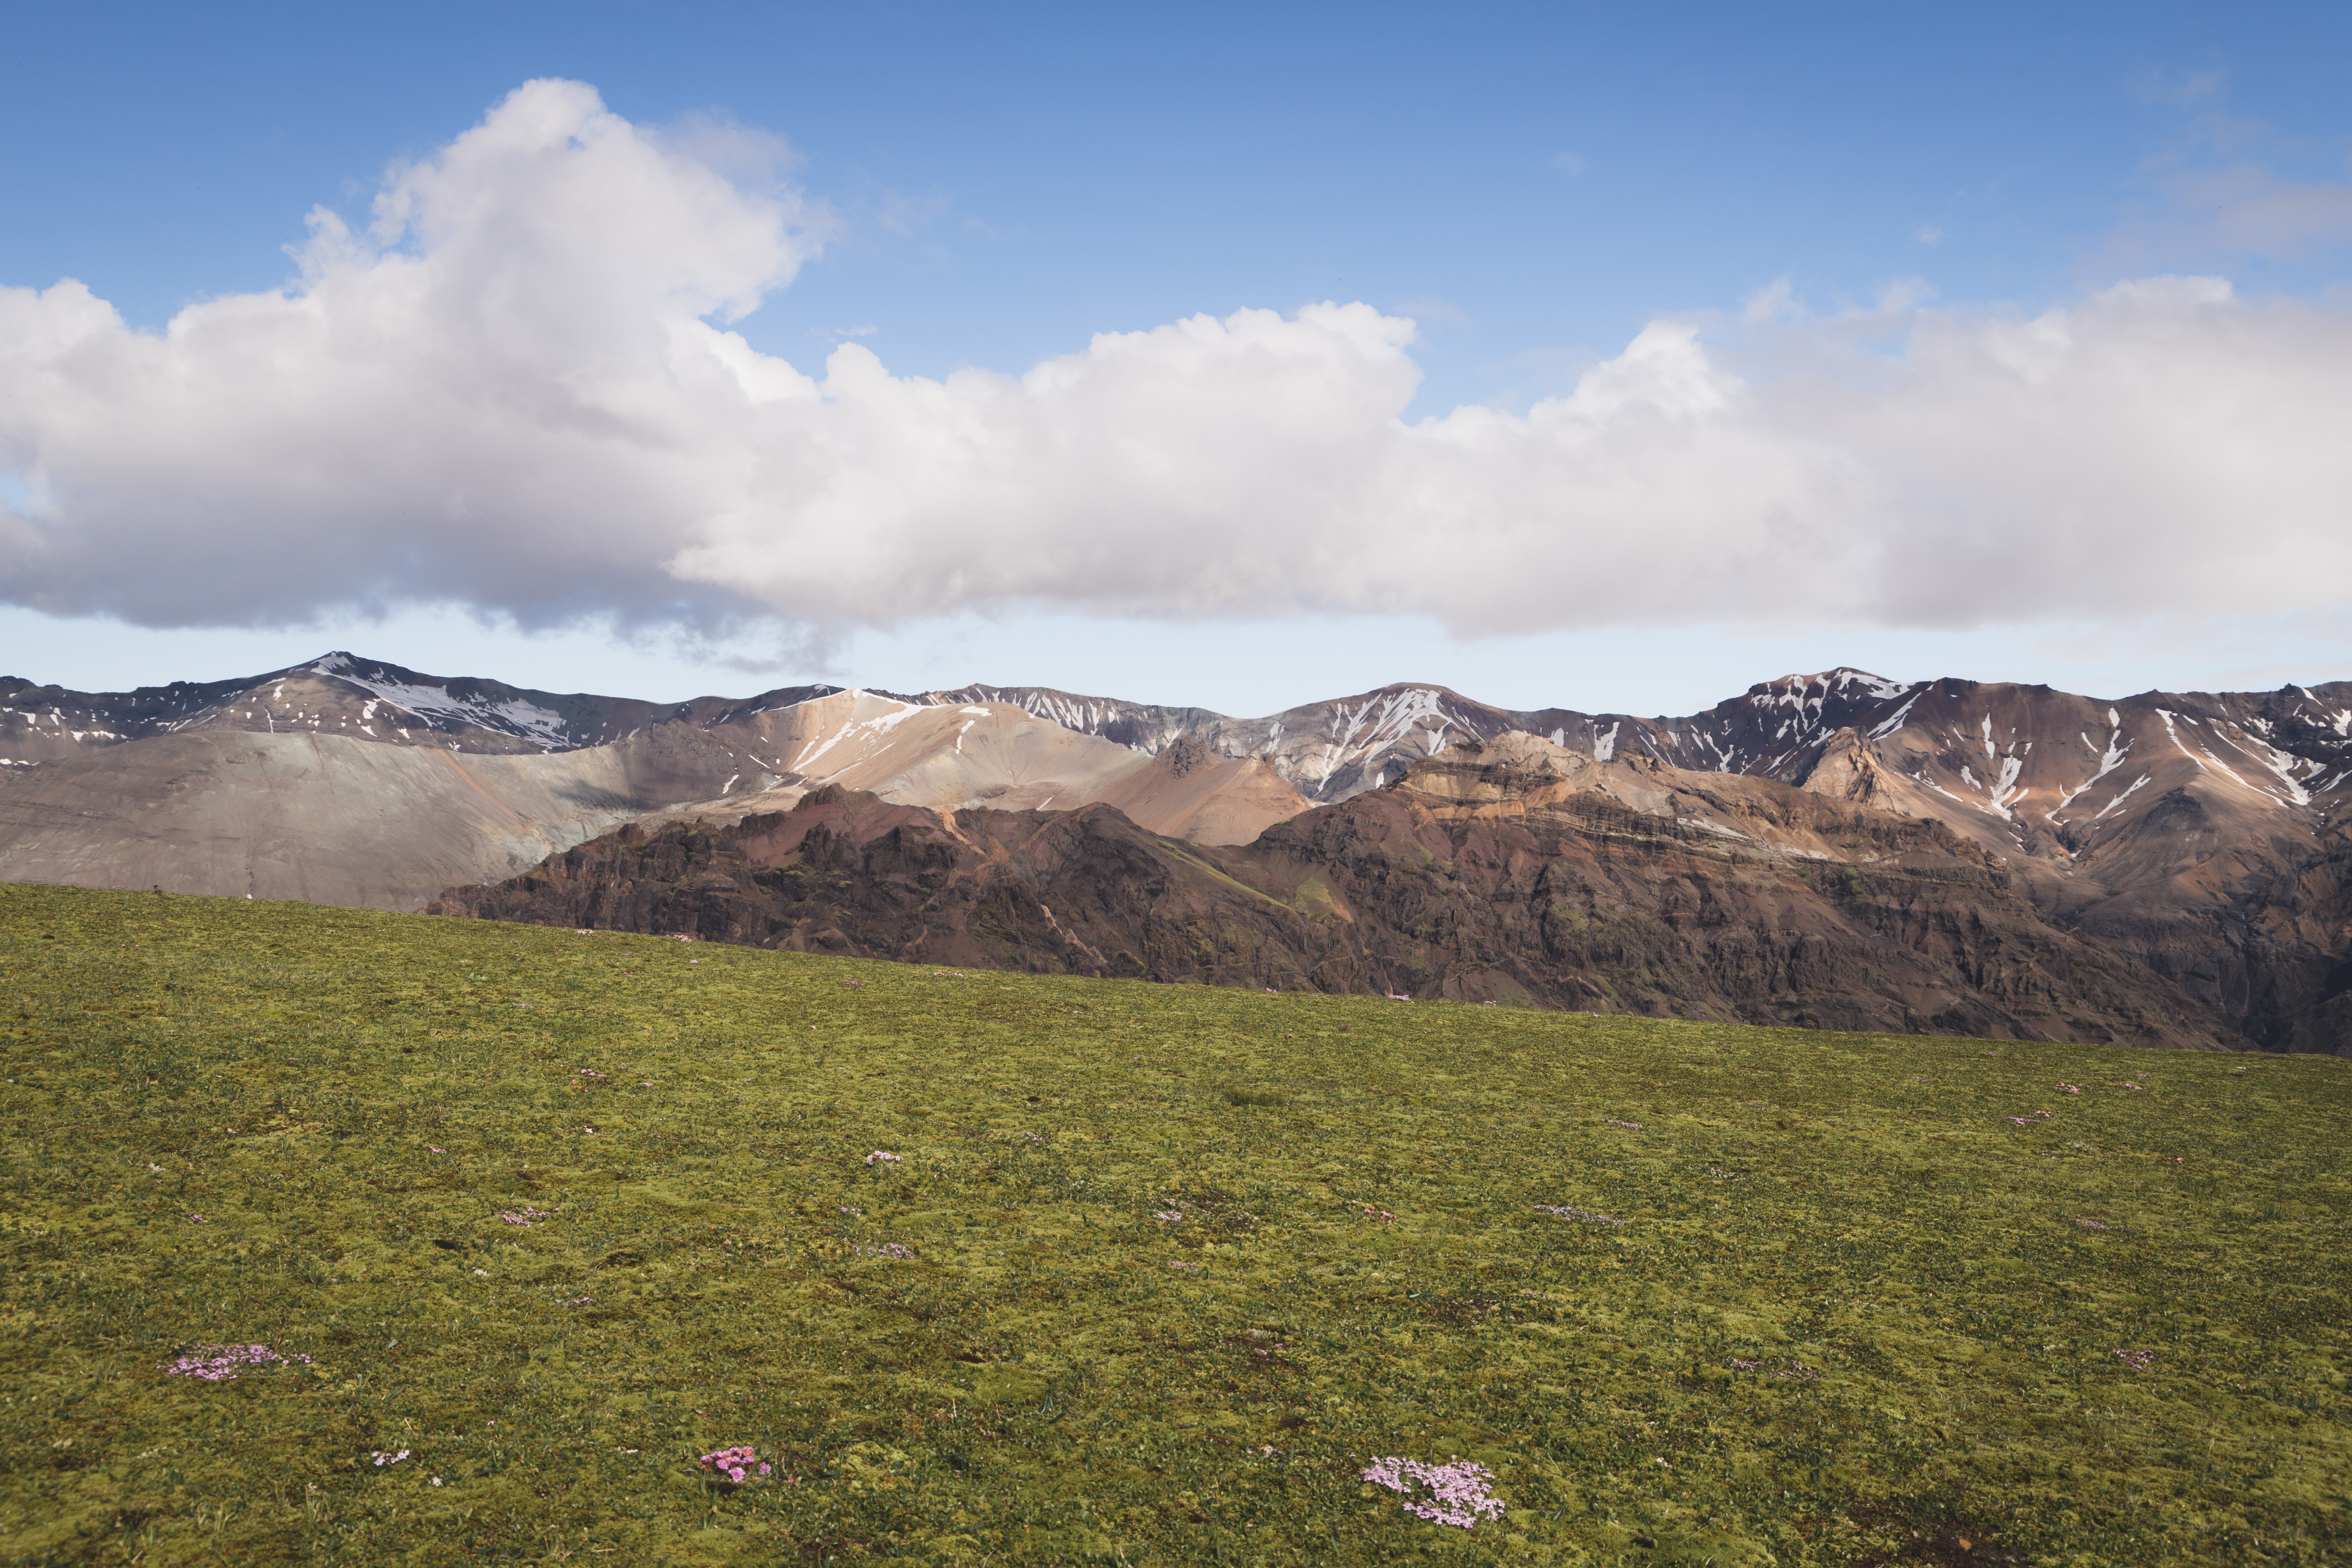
column 990, row 187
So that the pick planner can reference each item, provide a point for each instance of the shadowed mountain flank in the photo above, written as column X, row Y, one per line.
column 1516, row 871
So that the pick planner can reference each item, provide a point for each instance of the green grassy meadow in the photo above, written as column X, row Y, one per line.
column 1851, row 1313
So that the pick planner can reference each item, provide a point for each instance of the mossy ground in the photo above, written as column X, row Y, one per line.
column 1060, row 1374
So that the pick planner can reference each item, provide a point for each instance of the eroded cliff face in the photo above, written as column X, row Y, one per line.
column 1515, row 870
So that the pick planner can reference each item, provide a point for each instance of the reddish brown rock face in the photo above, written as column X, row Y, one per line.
column 1517, row 870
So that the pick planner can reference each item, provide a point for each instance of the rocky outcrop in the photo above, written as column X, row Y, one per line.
column 1515, row 871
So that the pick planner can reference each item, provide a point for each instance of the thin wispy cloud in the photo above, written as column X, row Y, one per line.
column 1428, row 308
column 2231, row 187
column 2251, row 209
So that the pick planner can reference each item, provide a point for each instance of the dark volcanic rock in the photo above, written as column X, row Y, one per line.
column 1514, row 871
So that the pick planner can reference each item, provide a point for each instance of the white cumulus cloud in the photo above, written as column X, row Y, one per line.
column 516, row 390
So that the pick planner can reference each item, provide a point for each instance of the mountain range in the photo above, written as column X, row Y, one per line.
column 2177, row 862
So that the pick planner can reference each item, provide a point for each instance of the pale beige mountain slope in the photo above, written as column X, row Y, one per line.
column 330, row 819
column 997, row 755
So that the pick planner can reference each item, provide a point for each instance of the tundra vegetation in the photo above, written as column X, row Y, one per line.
column 343, row 1237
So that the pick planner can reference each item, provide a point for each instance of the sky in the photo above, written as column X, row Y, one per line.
column 1606, row 358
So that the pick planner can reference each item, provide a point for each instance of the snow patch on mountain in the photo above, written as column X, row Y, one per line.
column 864, row 731
column 1887, row 727
column 2126, row 795
column 543, row 727
column 2118, row 749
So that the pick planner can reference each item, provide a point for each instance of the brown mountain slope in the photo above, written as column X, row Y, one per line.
column 1517, row 870
column 2201, row 834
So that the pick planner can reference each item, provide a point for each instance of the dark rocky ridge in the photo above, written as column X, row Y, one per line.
column 357, row 699
column 1514, row 871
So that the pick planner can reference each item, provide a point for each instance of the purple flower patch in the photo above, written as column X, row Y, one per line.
column 1774, row 1366
column 735, row 1465
column 1458, row 1493
column 218, row 1363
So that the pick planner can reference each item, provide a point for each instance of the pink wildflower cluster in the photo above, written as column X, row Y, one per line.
column 527, row 1216
column 2095, row 1225
column 2069, row 1089
column 218, row 1363
column 882, row 1157
column 588, row 1072
column 1614, row 1122
column 2138, row 1361
column 734, row 1464
column 382, row 1459
column 1772, row 1367
column 1171, row 1215
column 886, row 1250
column 1459, row 1492
column 1378, row 1212
column 2025, row 1121
column 1586, row 1215
column 853, row 983
column 680, row 936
